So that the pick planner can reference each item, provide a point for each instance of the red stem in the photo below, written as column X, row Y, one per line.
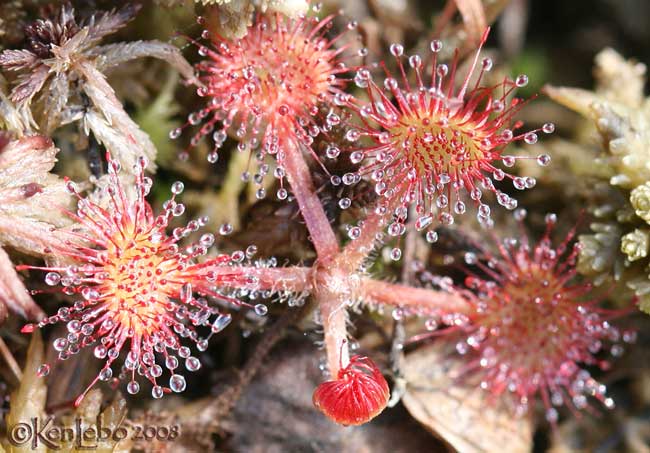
column 334, row 315
column 330, row 302
column 358, row 249
column 311, row 208
column 294, row 279
column 332, row 280
column 378, row 292
column 299, row 280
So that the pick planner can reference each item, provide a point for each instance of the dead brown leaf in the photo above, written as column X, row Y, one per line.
column 13, row 293
column 473, row 15
column 459, row 414
column 31, row 197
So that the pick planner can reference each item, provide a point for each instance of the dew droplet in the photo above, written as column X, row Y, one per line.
column 261, row 310
column 186, row 293
column 423, row 222
column 521, row 80
column 431, row 237
column 356, row 157
column 550, row 218
column 471, row 258
column 431, row 324
column 177, row 383
column 192, row 364
column 629, row 336
column 397, row 50
column 43, row 370
column 332, row 151
column 486, row 64
column 157, row 392
column 530, row 138
column 100, row 351
column 52, row 278
column 508, row 161
column 354, row 232
column 133, row 387
column 171, row 362
column 548, row 128
column 551, row 415
column 225, row 229
column 519, row 183
column 251, row 251
column 520, row 214
column 352, row 135
column 105, row 374
column 415, row 61
column 396, row 254
column 177, row 187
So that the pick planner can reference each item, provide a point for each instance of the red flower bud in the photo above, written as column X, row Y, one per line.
column 358, row 395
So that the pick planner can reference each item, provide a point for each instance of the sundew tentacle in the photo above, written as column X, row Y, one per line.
column 267, row 88
column 140, row 295
column 428, row 142
column 532, row 329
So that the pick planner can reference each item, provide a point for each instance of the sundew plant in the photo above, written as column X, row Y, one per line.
column 219, row 214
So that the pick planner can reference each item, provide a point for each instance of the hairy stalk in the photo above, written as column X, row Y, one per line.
column 293, row 279
column 311, row 207
column 396, row 295
column 356, row 252
column 373, row 292
column 327, row 287
column 334, row 315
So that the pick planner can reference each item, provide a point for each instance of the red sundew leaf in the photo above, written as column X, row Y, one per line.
column 280, row 101
column 459, row 414
column 137, row 286
column 410, row 140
